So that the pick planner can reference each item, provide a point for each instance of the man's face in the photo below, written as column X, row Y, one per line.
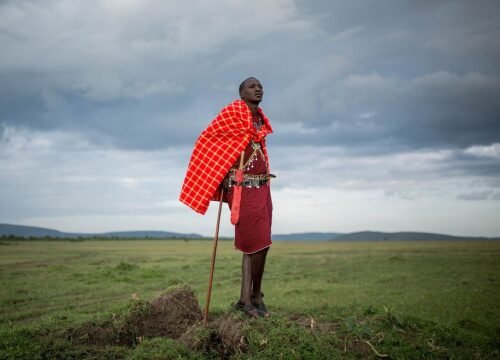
column 252, row 91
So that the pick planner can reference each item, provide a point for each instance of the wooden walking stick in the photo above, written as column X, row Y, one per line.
column 212, row 262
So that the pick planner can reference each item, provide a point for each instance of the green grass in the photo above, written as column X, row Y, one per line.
column 406, row 299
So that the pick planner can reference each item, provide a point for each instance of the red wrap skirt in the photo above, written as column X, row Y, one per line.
column 253, row 230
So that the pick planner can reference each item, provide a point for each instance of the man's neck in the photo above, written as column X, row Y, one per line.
column 253, row 107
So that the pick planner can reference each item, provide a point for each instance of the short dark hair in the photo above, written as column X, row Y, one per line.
column 244, row 81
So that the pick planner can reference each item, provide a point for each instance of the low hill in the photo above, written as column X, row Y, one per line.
column 308, row 236
column 373, row 236
column 401, row 236
column 39, row 232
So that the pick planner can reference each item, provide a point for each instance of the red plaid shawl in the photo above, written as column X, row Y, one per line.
column 216, row 150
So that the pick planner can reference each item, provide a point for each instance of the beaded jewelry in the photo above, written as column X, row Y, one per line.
column 253, row 157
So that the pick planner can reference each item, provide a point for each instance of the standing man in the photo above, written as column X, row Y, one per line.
column 235, row 140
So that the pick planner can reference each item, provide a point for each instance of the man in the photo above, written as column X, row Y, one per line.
column 235, row 140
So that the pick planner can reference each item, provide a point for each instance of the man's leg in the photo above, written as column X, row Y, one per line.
column 258, row 265
column 246, row 279
column 246, row 287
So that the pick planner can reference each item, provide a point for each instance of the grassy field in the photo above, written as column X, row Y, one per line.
column 328, row 300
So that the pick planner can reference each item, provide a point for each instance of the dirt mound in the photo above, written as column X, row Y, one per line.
column 175, row 314
column 230, row 332
column 224, row 335
column 169, row 315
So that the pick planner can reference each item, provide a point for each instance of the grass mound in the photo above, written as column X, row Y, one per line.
column 169, row 315
column 174, row 314
column 223, row 337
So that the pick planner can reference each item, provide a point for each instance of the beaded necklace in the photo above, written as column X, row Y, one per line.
column 257, row 149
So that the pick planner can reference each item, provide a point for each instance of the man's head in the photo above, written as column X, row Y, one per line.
column 251, row 90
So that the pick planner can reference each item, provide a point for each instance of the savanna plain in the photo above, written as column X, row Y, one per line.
column 329, row 300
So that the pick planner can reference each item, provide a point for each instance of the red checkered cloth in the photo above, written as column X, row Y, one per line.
column 216, row 150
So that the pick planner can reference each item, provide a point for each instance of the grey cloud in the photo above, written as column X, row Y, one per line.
column 435, row 110
column 46, row 174
column 380, row 64
column 402, row 194
column 105, row 60
column 385, row 79
column 476, row 196
column 406, row 175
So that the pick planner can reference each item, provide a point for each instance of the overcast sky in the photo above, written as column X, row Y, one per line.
column 386, row 113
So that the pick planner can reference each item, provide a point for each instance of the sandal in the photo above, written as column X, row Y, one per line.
column 261, row 308
column 251, row 310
